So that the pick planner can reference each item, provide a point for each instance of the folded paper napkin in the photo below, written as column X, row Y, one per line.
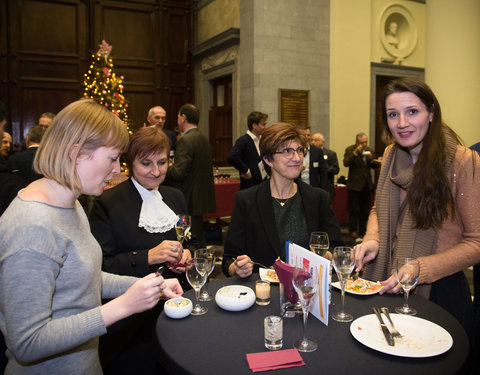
column 284, row 272
column 266, row 361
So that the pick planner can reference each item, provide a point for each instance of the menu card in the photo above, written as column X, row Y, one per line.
column 320, row 303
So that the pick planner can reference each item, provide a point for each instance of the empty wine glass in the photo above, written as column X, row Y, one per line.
column 406, row 270
column 305, row 283
column 196, row 271
column 319, row 243
column 343, row 262
column 209, row 255
column 182, row 227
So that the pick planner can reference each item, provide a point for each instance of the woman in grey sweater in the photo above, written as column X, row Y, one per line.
column 51, row 283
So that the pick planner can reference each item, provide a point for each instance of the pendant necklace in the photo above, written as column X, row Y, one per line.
column 285, row 201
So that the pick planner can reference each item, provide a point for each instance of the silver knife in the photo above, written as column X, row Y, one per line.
column 385, row 330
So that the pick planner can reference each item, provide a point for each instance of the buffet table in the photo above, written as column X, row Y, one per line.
column 216, row 343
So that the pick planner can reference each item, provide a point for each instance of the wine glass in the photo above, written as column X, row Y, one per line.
column 182, row 227
column 406, row 270
column 343, row 262
column 209, row 255
column 196, row 271
column 305, row 283
column 319, row 243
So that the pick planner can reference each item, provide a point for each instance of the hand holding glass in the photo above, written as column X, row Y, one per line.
column 182, row 227
column 209, row 255
column 343, row 262
column 407, row 271
column 305, row 283
column 196, row 271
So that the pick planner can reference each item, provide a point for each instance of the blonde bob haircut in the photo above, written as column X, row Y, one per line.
column 277, row 136
column 80, row 128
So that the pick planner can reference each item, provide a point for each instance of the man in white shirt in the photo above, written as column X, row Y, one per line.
column 245, row 154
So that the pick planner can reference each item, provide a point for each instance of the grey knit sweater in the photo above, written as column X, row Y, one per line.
column 51, row 285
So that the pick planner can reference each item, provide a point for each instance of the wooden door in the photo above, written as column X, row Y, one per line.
column 45, row 59
column 220, row 120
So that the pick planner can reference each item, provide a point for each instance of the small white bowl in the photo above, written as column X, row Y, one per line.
column 176, row 308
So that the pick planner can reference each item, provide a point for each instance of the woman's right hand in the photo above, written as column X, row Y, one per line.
column 166, row 251
column 365, row 252
column 242, row 266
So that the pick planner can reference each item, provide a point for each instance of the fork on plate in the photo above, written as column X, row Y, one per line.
column 393, row 331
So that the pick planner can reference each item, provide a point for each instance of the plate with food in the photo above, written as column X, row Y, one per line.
column 360, row 286
column 268, row 274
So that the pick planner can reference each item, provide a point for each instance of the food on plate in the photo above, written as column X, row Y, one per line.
column 362, row 286
column 271, row 274
column 178, row 302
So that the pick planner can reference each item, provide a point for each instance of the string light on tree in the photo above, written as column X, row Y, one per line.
column 104, row 86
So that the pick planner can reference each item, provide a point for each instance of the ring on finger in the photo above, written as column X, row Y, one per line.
column 174, row 248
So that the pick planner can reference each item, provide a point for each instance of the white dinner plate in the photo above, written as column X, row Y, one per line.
column 337, row 285
column 267, row 274
column 235, row 297
column 421, row 338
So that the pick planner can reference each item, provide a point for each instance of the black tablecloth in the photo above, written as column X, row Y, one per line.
column 216, row 343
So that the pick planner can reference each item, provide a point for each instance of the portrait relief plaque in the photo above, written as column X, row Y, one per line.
column 293, row 106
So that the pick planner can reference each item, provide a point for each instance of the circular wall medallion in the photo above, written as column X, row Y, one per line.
column 398, row 31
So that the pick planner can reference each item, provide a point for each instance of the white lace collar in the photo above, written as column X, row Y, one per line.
column 155, row 215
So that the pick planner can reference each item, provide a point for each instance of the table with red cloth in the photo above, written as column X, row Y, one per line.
column 225, row 189
column 340, row 204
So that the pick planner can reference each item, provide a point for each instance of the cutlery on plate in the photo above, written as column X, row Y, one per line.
column 394, row 331
column 386, row 332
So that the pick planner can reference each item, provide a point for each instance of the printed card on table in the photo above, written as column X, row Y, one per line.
column 320, row 304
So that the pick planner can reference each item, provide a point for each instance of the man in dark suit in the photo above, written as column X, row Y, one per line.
column 331, row 160
column 315, row 168
column 157, row 116
column 192, row 171
column 22, row 161
column 359, row 160
column 245, row 154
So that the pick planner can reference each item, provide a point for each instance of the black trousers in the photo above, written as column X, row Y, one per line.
column 358, row 210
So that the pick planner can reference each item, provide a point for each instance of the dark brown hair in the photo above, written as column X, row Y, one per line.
column 429, row 195
column 277, row 135
column 144, row 142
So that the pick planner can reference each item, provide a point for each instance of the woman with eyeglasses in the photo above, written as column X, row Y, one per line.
column 279, row 209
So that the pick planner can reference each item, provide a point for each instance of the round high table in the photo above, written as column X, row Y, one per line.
column 216, row 343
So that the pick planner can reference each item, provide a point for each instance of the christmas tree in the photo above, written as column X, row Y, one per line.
column 104, row 86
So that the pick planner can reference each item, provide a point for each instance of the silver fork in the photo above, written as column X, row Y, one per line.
column 393, row 331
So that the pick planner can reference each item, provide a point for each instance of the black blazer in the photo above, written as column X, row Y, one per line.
column 22, row 163
column 244, row 156
column 253, row 230
column 332, row 169
column 318, row 168
column 171, row 137
column 114, row 223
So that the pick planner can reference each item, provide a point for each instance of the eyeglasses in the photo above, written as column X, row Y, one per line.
column 290, row 152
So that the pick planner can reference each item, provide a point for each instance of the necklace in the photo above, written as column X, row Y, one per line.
column 285, row 200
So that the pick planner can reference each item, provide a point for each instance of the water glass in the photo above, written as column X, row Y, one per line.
column 273, row 332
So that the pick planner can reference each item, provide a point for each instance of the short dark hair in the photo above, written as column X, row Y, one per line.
column 144, row 142
column 255, row 118
column 35, row 134
column 276, row 136
column 191, row 113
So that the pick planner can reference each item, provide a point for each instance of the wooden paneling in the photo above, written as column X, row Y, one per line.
column 46, row 58
column 46, row 46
